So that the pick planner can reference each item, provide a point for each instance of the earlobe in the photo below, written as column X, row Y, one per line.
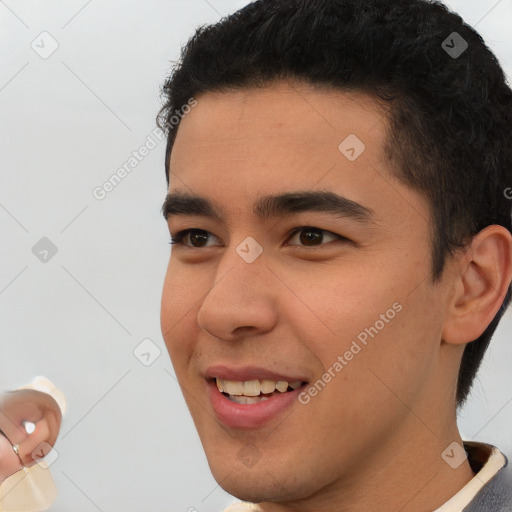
column 485, row 273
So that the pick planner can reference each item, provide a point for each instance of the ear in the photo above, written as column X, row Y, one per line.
column 484, row 273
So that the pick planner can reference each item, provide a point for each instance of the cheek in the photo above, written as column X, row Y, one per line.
column 179, row 291
column 372, row 321
column 335, row 305
column 364, row 400
column 398, row 353
column 181, row 298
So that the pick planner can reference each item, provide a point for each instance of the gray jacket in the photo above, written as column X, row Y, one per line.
column 496, row 495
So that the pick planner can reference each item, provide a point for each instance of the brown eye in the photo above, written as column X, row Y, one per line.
column 197, row 238
column 312, row 237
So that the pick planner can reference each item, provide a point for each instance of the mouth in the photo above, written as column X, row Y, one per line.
column 241, row 400
column 250, row 392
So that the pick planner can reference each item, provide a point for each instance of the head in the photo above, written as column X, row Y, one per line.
column 370, row 102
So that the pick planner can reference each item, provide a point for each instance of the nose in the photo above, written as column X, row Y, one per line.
column 241, row 301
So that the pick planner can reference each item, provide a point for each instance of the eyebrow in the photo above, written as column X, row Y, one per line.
column 287, row 204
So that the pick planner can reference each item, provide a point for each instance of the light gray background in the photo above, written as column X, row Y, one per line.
column 67, row 123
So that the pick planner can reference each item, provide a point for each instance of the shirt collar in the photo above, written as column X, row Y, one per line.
column 486, row 460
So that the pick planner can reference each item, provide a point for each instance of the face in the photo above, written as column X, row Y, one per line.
column 328, row 297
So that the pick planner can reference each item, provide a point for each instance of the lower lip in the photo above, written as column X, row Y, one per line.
column 249, row 416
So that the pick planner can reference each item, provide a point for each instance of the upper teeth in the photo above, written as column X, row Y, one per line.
column 254, row 387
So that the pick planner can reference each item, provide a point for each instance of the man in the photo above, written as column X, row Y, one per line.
column 338, row 175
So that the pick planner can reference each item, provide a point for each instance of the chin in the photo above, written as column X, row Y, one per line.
column 247, row 487
column 259, row 483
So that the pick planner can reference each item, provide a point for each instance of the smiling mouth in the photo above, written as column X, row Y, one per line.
column 254, row 391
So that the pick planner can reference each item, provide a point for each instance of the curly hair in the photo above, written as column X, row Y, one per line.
column 449, row 113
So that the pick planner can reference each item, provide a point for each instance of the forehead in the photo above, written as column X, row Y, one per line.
column 300, row 113
column 240, row 145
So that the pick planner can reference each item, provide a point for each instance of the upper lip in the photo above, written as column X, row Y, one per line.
column 249, row 373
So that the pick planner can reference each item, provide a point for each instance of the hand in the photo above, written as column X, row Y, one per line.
column 29, row 420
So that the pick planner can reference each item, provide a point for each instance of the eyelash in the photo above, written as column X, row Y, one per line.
column 179, row 237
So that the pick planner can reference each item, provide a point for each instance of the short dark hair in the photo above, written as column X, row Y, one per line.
column 450, row 115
